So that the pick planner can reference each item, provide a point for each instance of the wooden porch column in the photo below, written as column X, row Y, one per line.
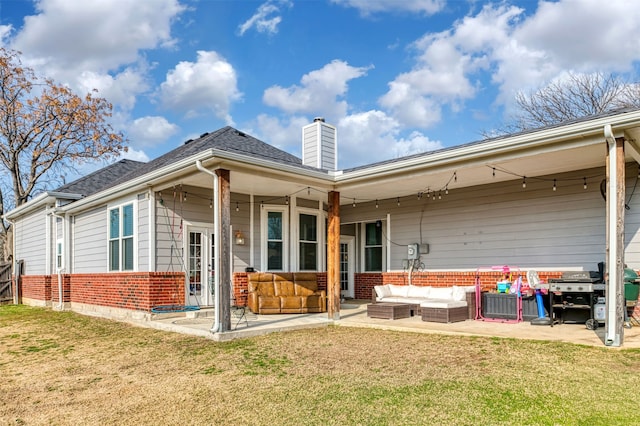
column 333, row 257
column 223, row 241
column 615, row 303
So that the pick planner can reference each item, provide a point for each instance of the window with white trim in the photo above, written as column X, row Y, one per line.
column 373, row 253
column 121, row 238
column 59, row 258
column 307, row 242
column 274, row 238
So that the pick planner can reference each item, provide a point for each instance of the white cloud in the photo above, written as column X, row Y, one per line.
column 266, row 19
column 373, row 136
column 283, row 134
column 96, row 44
column 150, row 131
column 120, row 89
column 209, row 84
column 99, row 35
column 363, row 138
column 5, row 33
column 319, row 91
column 368, row 7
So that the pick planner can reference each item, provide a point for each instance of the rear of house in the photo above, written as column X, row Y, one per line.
column 135, row 235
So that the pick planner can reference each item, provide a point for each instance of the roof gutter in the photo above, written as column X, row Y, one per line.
column 43, row 199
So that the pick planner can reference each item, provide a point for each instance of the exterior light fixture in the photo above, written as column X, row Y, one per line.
column 239, row 238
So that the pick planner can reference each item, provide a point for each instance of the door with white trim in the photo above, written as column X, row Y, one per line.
column 346, row 266
column 199, row 263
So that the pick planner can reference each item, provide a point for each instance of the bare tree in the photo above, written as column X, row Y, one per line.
column 577, row 95
column 44, row 129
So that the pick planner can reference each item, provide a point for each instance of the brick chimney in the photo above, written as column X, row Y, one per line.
column 320, row 145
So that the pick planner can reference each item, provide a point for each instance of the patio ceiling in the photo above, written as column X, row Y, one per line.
column 472, row 164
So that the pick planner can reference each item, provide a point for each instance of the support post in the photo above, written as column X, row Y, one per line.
column 333, row 257
column 615, row 304
column 223, row 243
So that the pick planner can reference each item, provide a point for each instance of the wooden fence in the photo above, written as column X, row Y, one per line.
column 6, row 294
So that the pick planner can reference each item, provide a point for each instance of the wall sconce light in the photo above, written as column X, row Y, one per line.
column 239, row 238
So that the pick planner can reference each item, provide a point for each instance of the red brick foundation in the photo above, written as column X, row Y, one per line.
column 139, row 291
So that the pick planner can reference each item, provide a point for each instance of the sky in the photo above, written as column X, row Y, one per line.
column 396, row 77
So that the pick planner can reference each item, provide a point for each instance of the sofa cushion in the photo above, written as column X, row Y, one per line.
column 458, row 293
column 444, row 304
column 441, row 293
column 418, row 291
column 305, row 283
column 398, row 290
column 269, row 302
column 382, row 291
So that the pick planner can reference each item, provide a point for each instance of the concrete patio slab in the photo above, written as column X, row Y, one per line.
column 354, row 314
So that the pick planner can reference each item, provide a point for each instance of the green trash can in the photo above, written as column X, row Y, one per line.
column 631, row 285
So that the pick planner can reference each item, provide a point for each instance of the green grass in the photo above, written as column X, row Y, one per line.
column 64, row 368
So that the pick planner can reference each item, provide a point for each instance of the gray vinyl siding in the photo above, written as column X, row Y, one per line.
column 31, row 241
column 90, row 241
column 240, row 221
column 503, row 224
column 169, row 234
column 143, row 232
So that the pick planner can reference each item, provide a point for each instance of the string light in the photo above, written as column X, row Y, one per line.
column 585, row 183
column 262, row 205
column 494, row 172
column 524, row 181
column 354, row 202
column 286, row 200
column 446, row 190
column 439, row 195
column 211, row 204
column 434, row 195
column 420, row 195
column 237, row 206
column 308, row 190
column 554, row 185
column 184, row 197
column 455, row 176
column 376, row 204
column 398, row 201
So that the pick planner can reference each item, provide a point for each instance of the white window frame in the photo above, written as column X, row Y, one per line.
column 264, row 261
column 320, row 245
column 119, row 206
column 59, row 254
column 363, row 258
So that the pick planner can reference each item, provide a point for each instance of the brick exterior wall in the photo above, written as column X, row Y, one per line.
column 37, row 287
column 138, row 291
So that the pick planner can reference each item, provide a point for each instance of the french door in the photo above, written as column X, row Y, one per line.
column 346, row 266
column 199, row 262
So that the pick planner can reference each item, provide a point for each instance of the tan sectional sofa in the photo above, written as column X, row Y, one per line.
column 285, row 293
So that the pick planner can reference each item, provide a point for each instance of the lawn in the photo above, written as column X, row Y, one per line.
column 68, row 369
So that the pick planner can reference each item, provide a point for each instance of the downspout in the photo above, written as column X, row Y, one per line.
column 216, row 260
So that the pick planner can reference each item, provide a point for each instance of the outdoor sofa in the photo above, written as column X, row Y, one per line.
column 437, row 304
column 285, row 293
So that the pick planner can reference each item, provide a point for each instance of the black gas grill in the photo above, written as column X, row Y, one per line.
column 573, row 295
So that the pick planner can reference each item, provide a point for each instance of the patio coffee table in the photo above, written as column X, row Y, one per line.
column 388, row 310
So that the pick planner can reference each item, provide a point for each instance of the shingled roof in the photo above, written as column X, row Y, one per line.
column 225, row 139
column 100, row 179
